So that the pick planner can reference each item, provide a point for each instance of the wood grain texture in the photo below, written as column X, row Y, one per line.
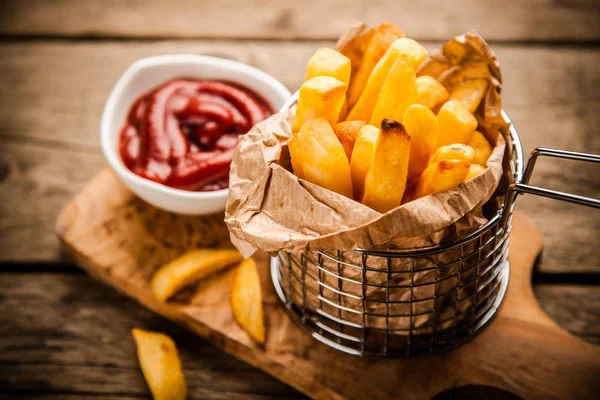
column 121, row 241
column 52, row 97
column 66, row 325
column 514, row 20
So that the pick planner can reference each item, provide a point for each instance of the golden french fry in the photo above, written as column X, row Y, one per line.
column 189, row 268
column 386, row 179
column 160, row 365
column 362, row 156
column 320, row 97
column 455, row 151
column 483, row 148
column 328, row 62
column 406, row 49
column 324, row 159
column 296, row 156
column 347, row 132
column 246, row 300
column 470, row 93
column 399, row 91
column 474, row 171
column 430, row 92
column 383, row 37
column 457, row 124
column 423, row 127
column 441, row 176
column 355, row 49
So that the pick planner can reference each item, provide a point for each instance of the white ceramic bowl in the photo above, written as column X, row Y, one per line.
column 148, row 73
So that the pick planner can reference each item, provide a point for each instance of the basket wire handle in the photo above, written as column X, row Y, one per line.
column 524, row 187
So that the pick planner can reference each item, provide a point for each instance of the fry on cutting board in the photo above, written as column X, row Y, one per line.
column 441, row 176
column 423, row 127
column 246, row 300
column 362, row 156
column 324, row 159
column 189, row 268
column 386, row 179
column 320, row 97
column 160, row 365
column 383, row 37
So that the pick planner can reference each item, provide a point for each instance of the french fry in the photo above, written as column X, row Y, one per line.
column 383, row 37
column 423, row 127
column 246, row 300
column 470, row 93
column 457, row 124
column 355, row 49
column 320, row 97
column 324, row 159
column 386, row 180
column 430, row 92
column 441, row 176
column 160, row 365
column 328, row 62
column 362, row 156
column 409, row 51
column 399, row 91
column 296, row 156
column 475, row 171
column 347, row 132
column 483, row 148
column 455, row 151
column 189, row 268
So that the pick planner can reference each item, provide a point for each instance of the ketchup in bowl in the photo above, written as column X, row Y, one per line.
column 183, row 133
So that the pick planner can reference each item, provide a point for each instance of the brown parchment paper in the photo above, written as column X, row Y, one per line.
column 270, row 209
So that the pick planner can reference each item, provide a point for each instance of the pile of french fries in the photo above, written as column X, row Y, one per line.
column 368, row 128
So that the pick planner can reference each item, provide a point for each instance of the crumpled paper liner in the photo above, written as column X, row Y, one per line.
column 271, row 210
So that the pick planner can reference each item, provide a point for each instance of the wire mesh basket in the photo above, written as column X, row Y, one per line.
column 408, row 302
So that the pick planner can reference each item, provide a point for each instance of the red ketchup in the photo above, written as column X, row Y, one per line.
column 183, row 133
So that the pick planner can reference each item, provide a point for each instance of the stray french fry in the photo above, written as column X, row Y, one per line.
column 328, row 62
column 355, row 49
column 470, row 93
column 430, row 92
column 320, row 97
column 347, row 132
column 483, row 148
column 386, row 179
column 457, row 124
column 324, row 159
column 474, row 171
column 441, row 176
column 455, row 151
column 189, row 268
column 384, row 36
column 246, row 300
column 423, row 127
column 296, row 156
column 399, row 91
column 362, row 156
column 405, row 49
column 160, row 365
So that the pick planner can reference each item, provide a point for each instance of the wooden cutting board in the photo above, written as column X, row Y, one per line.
column 121, row 240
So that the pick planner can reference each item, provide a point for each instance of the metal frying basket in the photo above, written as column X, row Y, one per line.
column 407, row 302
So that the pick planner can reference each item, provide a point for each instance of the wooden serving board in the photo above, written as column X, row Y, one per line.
column 121, row 240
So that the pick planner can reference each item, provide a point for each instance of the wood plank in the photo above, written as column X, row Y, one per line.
column 65, row 333
column 513, row 20
column 67, row 325
column 52, row 97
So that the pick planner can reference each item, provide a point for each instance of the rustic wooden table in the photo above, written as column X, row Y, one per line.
column 63, row 335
